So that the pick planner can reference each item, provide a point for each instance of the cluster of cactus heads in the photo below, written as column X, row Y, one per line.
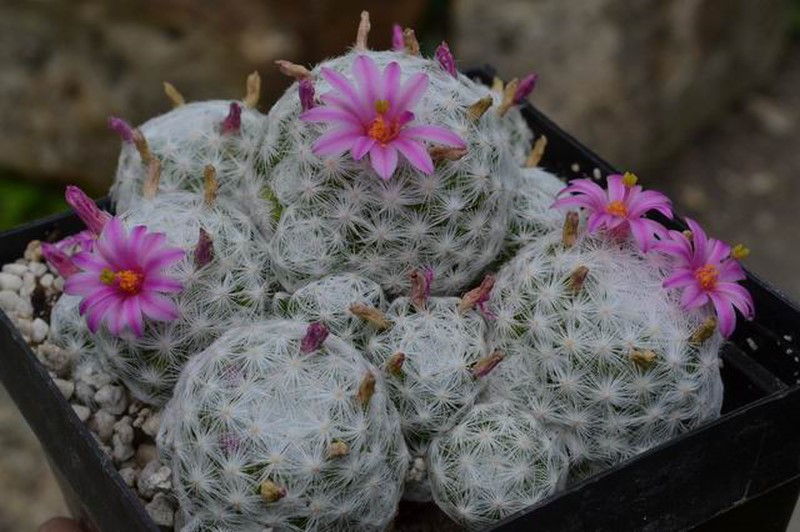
column 280, row 269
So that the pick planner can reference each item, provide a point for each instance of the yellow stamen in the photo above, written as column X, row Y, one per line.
column 107, row 277
column 617, row 208
column 381, row 131
column 130, row 281
column 630, row 179
column 740, row 251
column 707, row 276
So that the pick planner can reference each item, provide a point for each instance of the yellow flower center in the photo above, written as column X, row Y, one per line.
column 617, row 208
column 707, row 276
column 630, row 179
column 129, row 281
column 382, row 131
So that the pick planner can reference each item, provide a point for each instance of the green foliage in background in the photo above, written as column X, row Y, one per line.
column 22, row 201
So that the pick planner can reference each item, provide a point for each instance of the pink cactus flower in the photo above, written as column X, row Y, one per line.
column 81, row 241
column 59, row 260
column 706, row 271
column 398, row 43
column 620, row 209
column 124, row 279
column 87, row 210
column 374, row 117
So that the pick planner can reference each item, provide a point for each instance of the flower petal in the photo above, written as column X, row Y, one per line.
column 391, row 84
column 336, row 141
column 361, row 147
column 132, row 315
column 384, row 160
column 327, row 113
column 725, row 314
column 411, row 92
column 345, row 88
column 368, row 78
column 160, row 283
column 158, row 308
column 415, row 153
column 679, row 279
column 81, row 284
column 163, row 258
column 616, row 188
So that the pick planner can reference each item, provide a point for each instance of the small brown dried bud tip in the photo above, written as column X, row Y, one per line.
column 366, row 390
column 293, row 70
column 537, row 152
column 705, row 331
column 411, row 42
column 363, row 32
column 447, row 153
column 371, row 315
column 337, row 449
column 142, row 147
column 497, row 85
column 509, row 91
column 485, row 365
column 477, row 295
column 643, row 359
column 210, row 185
column 479, row 108
column 394, row 366
column 174, row 95
column 420, row 287
column 253, row 90
column 577, row 278
column 271, row 492
column 569, row 237
column 153, row 179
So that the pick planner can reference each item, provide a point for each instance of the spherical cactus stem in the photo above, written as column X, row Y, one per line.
column 371, row 315
column 337, row 449
column 478, row 295
column 314, row 338
column 569, row 236
column 366, row 390
column 204, row 251
column 643, row 358
column 447, row 153
column 174, row 95
column 479, row 108
column 394, row 365
column 537, row 152
column 410, row 41
column 507, row 102
column 705, row 331
column 363, row 32
column 577, row 278
column 210, row 185
column 485, row 365
column 153, row 179
column 271, row 492
column 253, row 93
column 293, row 70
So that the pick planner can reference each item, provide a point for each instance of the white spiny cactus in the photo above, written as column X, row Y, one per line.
column 496, row 461
column 598, row 350
column 337, row 214
column 278, row 425
column 350, row 306
column 235, row 287
column 68, row 329
column 185, row 141
column 532, row 215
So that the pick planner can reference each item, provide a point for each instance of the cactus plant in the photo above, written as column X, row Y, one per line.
column 496, row 461
column 445, row 203
column 531, row 214
column 281, row 425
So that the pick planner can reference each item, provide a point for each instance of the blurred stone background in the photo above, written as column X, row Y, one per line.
column 699, row 97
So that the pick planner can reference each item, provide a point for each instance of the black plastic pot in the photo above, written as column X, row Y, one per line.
column 741, row 472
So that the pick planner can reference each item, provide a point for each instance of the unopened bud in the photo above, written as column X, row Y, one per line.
column 271, row 492
column 705, row 331
column 59, row 260
column 174, row 95
column 420, row 287
column 87, row 210
column 338, row 449
column 525, row 88
column 394, row 365
column 363, row 32
column 577, row 278
column 142, row 147
column 479, row 108
column 446, row 153
column 507, row 101
column 292, row 70
column 446, row 60
column 398, row 44
column 410, row 41
column 210, row 185
column 497, row 85
column 569, row 236
column 478, row 295
column 643, row 359
column 537, row 152
column 314, row 338
column 485, row 365
column 204, row 251
column 305, row 89
column 366, row 390
column 233, row 122
column 371, row 315
column 153, row 179
column 253, row 93
column 121, row 128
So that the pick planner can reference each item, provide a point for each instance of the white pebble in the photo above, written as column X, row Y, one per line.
column 145, row 453
column 38, row 268
column 112, row 398
column 10, row 282
column 67, row 388
column 128, row 475
column 152, row 424
column 39, row 330
column 82, row 412
column 102, row 424
column 122, row 440
column 153, row 479
column 58, row 284
column 47, row 280
column 34, row 251
column 161, row 510
column 15, row 269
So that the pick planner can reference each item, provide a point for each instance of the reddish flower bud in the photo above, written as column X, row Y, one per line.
column 445, row 59
column 59, row 260
column 233, row 122
column 86, row 209
column 314, row 338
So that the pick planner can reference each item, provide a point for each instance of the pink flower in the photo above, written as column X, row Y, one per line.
column 706, row 271
column 82, row 241
column 620, row 209
column 374, row 117
column 398, row 42
column 59, row 260
column 86, row 209
column 525, row 88
column 124, row 278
